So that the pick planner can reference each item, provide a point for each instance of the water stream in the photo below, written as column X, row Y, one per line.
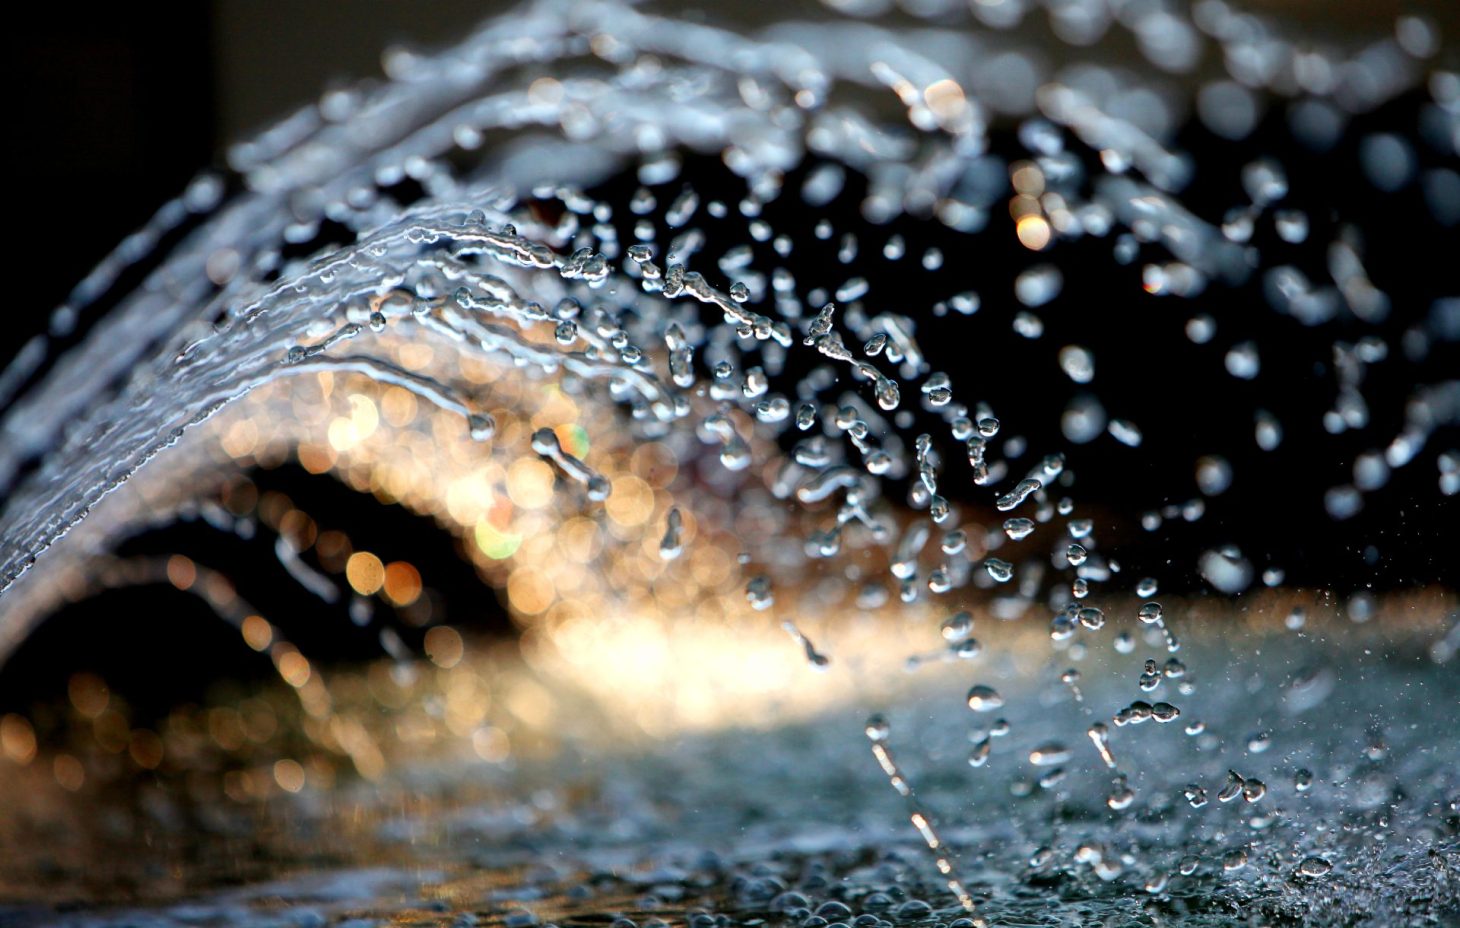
column 687, row 331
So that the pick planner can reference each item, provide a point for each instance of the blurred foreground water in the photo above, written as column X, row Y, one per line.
column 587, row 823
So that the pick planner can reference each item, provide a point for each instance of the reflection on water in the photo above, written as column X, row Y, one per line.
column 758, row 461
column 566, row 811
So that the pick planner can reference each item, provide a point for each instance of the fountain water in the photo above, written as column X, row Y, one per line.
column 431, row 288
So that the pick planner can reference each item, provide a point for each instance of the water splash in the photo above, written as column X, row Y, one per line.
column 504, row 270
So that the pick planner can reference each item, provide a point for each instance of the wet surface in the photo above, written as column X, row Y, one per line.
column 772, row 826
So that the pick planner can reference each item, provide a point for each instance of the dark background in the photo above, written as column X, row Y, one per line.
column 115, row 109
column 115, row 112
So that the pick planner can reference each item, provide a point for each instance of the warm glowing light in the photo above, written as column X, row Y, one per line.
column 467, row 701
column 146, row 749
column 333, row 549
column 365, row 572
column 530, row 590
column 531, row 703
column 945, row 98
column 259, row 721
column 494, row 543
column 299, row 528
column 402, row 583
column 574, row 439
column 342, row 434
column 711, row 565
column 578, row 539
column 356, row 741
column 69, row 772
column 112, row 731
column 416, row 355
column 257, row 632
column 180, row 572
column 225, row 727
column 237, row 785
column 631, row 502
column 363, row 416
column 398, row 406
column 241, row 438
column 491, row 744
column 1022, row 205
column 294, row 668
column 530, row 483
column 317, row 459
column 88, row 693
column 17, row 739
column 655, row 463
column 444, row 646
column 1027, row 178
column 289, row 774
column 1033, row 232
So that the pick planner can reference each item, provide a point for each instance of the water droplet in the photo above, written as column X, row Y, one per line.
column 1121, row 796
column 877, row 730
column 1100, row 736
column 671, row 545
column 1232, row 788
column 1018, row 528
column 980, row 753
column 1048, row 754
column 1000, row 570
column 1165, row 712
column 1077, row 363
column 1022, row 491
column 984, row 699
column 957, row 626
column 482, row 427
column 758, row 593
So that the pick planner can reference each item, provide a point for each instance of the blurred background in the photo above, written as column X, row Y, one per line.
column 120, row 110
